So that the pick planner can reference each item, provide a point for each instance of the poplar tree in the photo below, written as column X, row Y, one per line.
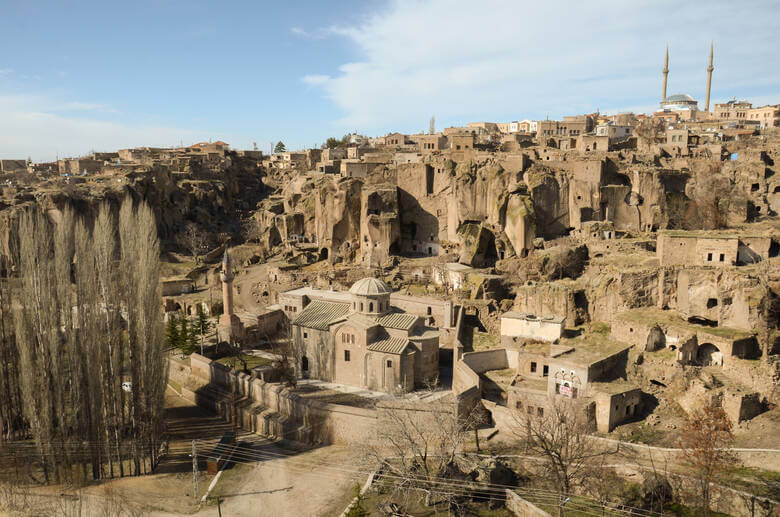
column 86, row 317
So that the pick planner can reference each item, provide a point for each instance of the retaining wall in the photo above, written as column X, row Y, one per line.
column 519, row 506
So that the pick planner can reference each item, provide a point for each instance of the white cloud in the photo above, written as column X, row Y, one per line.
column 5, row 71
column 460, row 60
column 303, row 33
column 44, row 128
column 84, row 106
column 316, row 79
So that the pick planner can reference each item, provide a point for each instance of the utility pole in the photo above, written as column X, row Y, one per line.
column 195, row 469
column 219, row 507
column 234, row 403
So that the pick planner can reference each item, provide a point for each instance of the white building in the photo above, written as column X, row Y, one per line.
column 528, row 326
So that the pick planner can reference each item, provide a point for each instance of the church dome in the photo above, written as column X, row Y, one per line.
column 370, row 287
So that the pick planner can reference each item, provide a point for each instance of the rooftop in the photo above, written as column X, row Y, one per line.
column 390, row 345
column 613, row 387
column 397, row 320
column 532, row 317
column 321, row 294
column 320, row 314
column 590, row 348
column 530, row 383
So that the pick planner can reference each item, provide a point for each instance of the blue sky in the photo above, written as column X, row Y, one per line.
column 83, row 75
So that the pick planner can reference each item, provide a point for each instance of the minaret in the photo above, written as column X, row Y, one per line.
column 710, row 68
column 666, row 73
column 229, row 322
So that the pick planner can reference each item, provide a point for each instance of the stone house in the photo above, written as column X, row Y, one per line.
column 430, row 143
column 176, row 286
column 614, row 131
column 359, row 340
column 462, row 142
column 395, row 140
column 676, row 247
column 588, row 143
column 588, row 374
column 529, row 326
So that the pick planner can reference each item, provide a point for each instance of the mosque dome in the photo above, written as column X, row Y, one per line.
column 370, row 287
column 680, row 97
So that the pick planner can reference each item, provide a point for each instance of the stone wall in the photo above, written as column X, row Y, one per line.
column 615, row 408
column 439, row 310
column 741, row 406
column 559, row 298
column 519, row 506
column 272, row 409
column 545, row 328
column 485, row 360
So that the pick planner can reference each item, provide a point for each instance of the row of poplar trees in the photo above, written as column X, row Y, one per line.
column 81, row 315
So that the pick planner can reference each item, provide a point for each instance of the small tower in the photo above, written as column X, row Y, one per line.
column 710, row 68
column 230, row 325
column 666, row 73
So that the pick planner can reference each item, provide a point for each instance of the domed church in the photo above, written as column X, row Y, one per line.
column 358, row 339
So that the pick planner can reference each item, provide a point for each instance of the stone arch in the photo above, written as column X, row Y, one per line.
column 324, row 254
column 709, row 354
column 304, row 365
column 656, row 339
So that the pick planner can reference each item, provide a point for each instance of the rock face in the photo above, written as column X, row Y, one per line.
column 213, row 202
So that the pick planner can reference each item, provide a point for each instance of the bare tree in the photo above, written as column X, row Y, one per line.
column 87, row 315
column 251, row 230
column 561, row 437
column 704, row 446
column 417, row 445
column 194, row 240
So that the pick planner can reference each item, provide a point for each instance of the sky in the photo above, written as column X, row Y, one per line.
column 82, row 76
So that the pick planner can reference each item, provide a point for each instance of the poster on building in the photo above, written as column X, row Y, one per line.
column 566, row 390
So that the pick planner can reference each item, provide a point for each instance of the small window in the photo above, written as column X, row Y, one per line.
column 722, row 257
column 545, row 370
column 371, row 307
column 540, row 412
column 346, row 355
column 389, row 363
column 518, row 405
column 533, row 367
column 712, row 302
column 709, row 257
column 361, row 306
column 429, row 311
column 305, row 335
column 530, row 410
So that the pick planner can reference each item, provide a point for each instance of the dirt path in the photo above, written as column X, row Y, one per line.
column 315, row 483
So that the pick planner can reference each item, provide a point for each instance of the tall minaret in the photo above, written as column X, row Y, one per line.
column 229, row 322
column 666, row 73
column 710, row 68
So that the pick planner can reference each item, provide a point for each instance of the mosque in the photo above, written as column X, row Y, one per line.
column 683, row 106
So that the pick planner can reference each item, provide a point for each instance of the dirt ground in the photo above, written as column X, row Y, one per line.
column 267, row 478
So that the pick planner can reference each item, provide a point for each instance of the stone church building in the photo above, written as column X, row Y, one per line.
column 360, row 340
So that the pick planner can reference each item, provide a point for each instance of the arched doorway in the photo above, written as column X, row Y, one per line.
column 709, row 355
column 656, row 339
column 324, row 254
column 305, row 367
